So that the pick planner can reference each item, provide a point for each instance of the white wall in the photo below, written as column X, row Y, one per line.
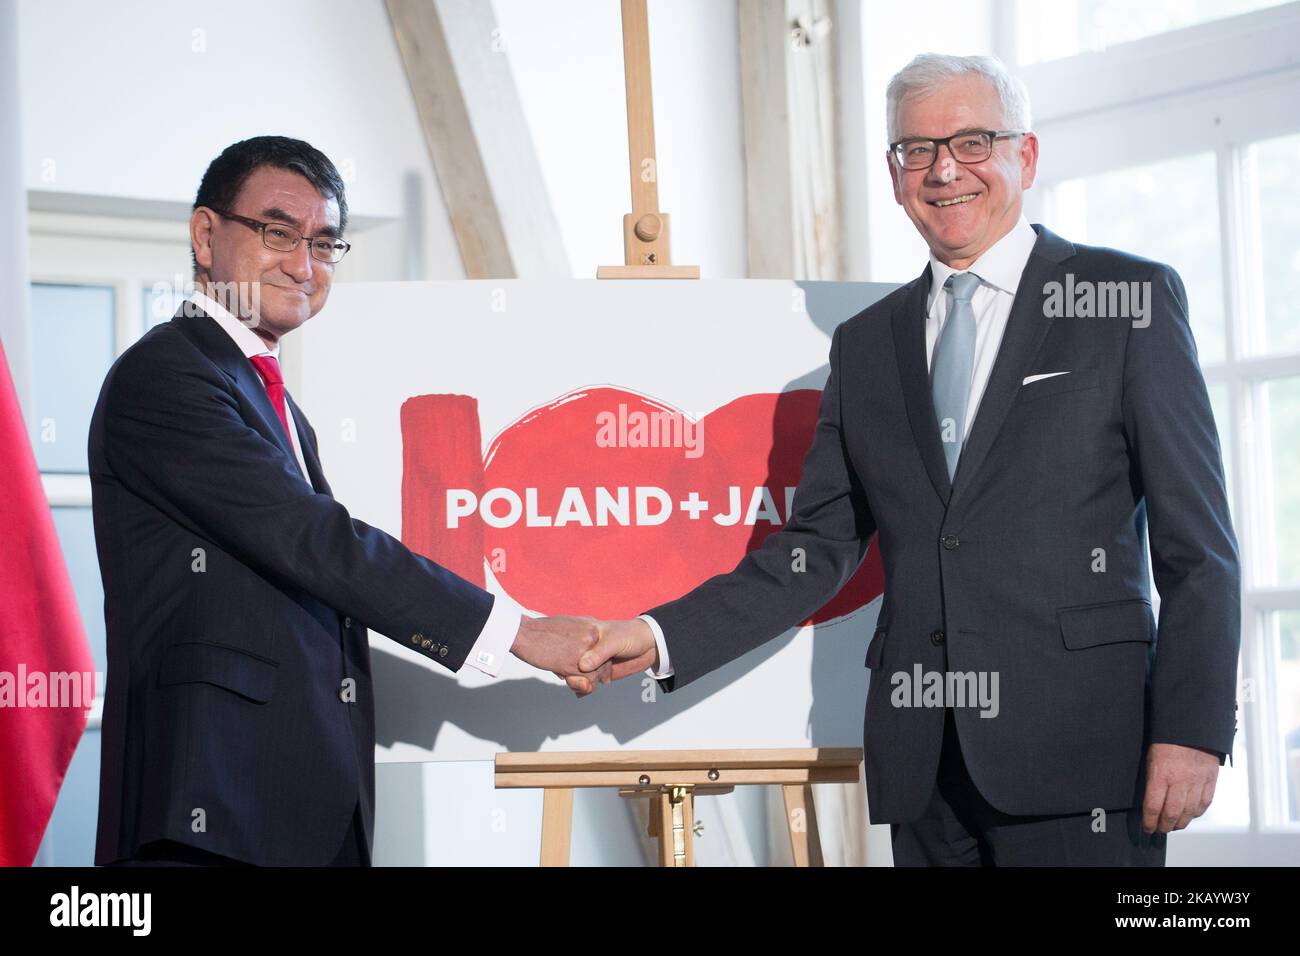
column 135, row 100
column 136, row 106
column 567, row 59
column 155, row 95
column 892, row 34
column 568, row 65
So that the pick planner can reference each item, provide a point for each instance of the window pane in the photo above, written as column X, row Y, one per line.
column 1049, row 31
column 72, row 349
column 1281, row 420
column 1230, row 809
column 70, row 837
column 1158, row 211
column 1276, row 163
column 1288, row 704
column 77, row 539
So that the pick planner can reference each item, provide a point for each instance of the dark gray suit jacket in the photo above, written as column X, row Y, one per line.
column 997, row 572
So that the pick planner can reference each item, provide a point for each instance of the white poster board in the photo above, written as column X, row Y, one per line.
column 581, row 444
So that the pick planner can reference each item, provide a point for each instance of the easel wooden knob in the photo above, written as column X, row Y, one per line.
column 646, row 249
column 670, row 780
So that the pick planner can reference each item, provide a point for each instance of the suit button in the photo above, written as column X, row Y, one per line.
column 347, row 622
column 442, row 651
column 936, row 637
column 417, row 638
column 426, row 644
column 950, row 542
column 343, row 693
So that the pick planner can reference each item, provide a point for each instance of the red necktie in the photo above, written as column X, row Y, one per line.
column 269, row 369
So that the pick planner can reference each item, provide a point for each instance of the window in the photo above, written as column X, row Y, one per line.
column 1160, row 211
column 1050, row 31
column 1202, row 171
column 1271, row 169
column 73, row 525
column 1286, row 635
column 72, row 348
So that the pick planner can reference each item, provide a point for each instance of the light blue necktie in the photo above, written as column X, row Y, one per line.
column 953, row 366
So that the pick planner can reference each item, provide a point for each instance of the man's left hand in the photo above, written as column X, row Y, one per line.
column 1180, row 786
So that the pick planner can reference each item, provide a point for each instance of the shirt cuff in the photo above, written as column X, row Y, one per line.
column 665, row 666
column 497, row 637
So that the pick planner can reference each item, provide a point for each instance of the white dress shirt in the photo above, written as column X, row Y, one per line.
column 498, row 634
column 251, row 344
column 999, row 269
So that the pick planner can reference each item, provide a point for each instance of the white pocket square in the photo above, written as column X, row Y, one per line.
column 1036, row 378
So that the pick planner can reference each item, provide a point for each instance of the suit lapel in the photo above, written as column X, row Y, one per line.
column 1027, row 326
column 314, row 470
column 909, row 346
column 213, row 341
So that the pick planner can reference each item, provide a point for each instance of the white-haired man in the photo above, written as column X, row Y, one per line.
column 1010, row 455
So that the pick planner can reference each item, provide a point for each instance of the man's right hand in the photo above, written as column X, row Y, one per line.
column 623, row 648
column 584, row 651
column 556, row 643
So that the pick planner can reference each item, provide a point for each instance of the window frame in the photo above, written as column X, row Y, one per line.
column 1218, row 86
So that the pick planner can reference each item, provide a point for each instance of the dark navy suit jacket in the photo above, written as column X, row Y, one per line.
column 239, row 713
column 997, row 571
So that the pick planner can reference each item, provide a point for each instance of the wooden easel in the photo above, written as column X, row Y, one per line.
column 646, row 249
column 670, row 780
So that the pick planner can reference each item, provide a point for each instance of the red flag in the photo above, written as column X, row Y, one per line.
column 46, row 668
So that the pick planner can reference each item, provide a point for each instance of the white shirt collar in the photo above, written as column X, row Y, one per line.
column 249, row 342
column 1000, row 266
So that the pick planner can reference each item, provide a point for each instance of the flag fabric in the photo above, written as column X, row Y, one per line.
column 46, row 668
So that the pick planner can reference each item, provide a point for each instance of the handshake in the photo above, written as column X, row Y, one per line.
column 585, row 651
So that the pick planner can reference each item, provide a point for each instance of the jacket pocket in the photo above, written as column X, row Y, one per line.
column 235, row 669
column 1070, row 382
column 1114, row 622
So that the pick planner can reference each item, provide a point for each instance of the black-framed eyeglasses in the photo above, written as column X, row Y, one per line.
column 282, row 237
column 968, row 146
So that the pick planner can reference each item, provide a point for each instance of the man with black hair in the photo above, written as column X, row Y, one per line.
column 239, row 721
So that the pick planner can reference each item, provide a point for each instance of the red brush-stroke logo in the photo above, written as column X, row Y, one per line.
column 576, row 511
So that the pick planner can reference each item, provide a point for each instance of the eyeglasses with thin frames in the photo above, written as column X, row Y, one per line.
column 282, row 237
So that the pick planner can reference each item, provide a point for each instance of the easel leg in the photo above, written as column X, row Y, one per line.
column 676, row 823
column 801, row 816
column 557, row 825
column 685, row 818
column 664, row 828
